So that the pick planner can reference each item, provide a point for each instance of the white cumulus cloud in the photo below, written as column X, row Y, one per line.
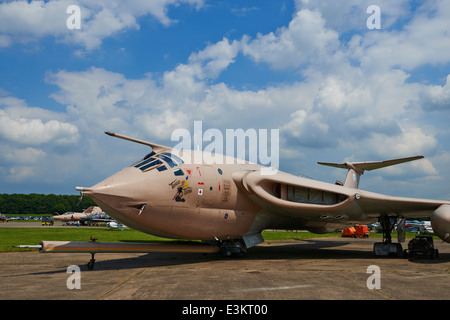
column 25, row 21
column 305, row 40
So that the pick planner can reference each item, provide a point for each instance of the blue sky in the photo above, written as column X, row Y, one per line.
column 336, row 90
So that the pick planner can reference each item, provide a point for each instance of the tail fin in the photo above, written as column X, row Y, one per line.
column 356, row 169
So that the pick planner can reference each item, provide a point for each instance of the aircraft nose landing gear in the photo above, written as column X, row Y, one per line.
column 91, row 262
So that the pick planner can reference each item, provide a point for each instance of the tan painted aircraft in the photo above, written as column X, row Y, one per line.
column 167, row 194
column 230, row 202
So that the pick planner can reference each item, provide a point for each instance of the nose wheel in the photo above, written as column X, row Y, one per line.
column 91, row 262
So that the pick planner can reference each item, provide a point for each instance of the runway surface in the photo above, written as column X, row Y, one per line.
column 325, row 269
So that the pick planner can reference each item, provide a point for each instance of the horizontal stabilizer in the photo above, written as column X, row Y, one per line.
column 370, row 165
column 357, row 168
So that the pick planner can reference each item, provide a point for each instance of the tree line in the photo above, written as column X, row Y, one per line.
column 42, row 204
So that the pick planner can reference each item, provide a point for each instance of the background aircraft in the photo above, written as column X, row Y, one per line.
column 90, row 215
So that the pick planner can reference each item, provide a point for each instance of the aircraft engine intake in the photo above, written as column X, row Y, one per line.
column 440, row 222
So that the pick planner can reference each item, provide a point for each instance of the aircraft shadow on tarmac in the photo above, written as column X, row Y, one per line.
column 306, row 249
column 311, row 250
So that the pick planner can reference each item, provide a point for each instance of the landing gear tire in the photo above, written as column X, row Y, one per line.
column 387, row 247
column 91, row 263
column 232, row 248
column 231, row 252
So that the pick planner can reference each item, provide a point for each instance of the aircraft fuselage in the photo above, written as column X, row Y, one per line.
column 188, row 201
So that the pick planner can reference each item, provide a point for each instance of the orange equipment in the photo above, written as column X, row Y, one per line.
column 358, row 231
column 349, row 232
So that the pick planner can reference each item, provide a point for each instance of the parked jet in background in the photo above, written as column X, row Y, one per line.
column 91, row 214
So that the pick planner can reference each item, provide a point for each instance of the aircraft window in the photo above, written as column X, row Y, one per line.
column 161, row 168
column 150, row 161
column 149, row 155
column 153, row 163
column 169, row 161
column 178, row 172
column 142, row 163
column 174, row 157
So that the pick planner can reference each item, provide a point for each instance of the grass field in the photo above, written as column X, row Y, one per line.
column 10, row 237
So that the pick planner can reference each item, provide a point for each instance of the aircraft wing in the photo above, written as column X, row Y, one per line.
column 378, row 204
column 293, row 197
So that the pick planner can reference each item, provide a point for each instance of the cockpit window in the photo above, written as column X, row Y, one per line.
column 159, row 161
column 161, row 168
column 149, row 155
column 153, row 163
column 143, row 163
column 175, row 158
column 169, row 161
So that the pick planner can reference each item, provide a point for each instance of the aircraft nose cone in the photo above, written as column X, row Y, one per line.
column 118, row 192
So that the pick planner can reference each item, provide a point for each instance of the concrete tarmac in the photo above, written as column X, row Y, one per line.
column 322, row 268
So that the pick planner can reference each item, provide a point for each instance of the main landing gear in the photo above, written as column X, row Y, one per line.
column 232, row 248
column 387, row 247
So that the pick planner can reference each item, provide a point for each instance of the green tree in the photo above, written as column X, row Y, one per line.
column 59, row 208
